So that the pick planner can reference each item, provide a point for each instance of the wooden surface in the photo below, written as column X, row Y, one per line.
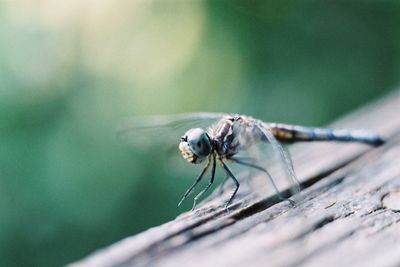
column 349, row 216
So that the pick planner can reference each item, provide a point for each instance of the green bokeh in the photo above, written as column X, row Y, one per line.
column 70, row 70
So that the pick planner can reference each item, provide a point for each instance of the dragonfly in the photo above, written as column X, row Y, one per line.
column 234, row 133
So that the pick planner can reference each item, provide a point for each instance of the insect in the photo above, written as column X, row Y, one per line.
column 232, row 134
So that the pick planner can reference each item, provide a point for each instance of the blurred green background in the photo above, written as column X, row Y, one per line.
column 70, row 70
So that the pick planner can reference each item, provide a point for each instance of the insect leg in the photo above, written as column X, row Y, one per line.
column 198, row 179
column 208, row 186
column 278, row 193
column 228, row 171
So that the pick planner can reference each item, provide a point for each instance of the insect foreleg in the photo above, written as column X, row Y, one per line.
column 209, row 183
column 198, row 179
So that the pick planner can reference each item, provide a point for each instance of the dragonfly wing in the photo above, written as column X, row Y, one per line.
column 169, row 121
column 266, row 161
column 161, row 133
column 283, row 157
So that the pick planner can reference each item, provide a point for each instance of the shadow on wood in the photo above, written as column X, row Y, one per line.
column 349, row 215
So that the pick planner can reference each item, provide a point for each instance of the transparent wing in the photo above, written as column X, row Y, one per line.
column 170, row 121
column 283, row 160
column 269, row 162
column 162, row 132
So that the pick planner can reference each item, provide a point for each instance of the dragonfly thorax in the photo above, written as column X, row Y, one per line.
column 195, row 145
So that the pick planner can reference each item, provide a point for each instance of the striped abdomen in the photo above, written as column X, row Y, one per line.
column 292, row 133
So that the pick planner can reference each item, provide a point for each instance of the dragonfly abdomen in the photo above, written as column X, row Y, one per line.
column 293, row 133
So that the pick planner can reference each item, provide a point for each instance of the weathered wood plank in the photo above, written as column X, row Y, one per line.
column 350, row 214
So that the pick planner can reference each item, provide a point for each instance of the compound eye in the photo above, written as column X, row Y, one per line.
column 198, row 141
column 199, row 147
column 199, row 144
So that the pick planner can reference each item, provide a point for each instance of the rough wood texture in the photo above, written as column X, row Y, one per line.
column 350, row 214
